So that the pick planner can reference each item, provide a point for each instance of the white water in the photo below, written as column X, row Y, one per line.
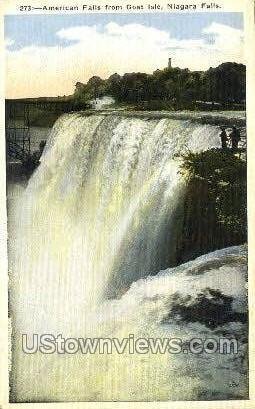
column 102, row 211
column 103, row 102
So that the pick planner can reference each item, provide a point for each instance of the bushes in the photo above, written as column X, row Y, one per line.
column 224, row 173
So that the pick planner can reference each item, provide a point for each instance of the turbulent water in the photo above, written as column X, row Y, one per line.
column 103, row 210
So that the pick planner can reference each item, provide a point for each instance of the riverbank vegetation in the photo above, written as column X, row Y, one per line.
column 215, row 205
column 222, row 87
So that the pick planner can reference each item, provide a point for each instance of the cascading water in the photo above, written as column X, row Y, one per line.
column 103, row 210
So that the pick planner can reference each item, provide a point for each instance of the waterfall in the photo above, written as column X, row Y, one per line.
column 102, row 211
column 103, row 208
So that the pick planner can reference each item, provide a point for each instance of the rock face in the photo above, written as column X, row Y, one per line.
column 201, row 231
column 205, row 299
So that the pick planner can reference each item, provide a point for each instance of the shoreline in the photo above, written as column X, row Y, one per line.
column 207, row 117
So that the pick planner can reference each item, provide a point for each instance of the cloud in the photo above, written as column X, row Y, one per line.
column 226, row 44
column 103, row 50
column 224, row 32
column 227, row 41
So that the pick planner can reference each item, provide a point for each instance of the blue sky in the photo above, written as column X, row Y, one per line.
column 41, row 29
column 47, row 54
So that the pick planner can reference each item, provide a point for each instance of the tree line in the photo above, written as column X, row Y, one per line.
column 171, row 87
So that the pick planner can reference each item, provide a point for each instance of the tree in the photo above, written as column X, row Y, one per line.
column 173, row 87
column 96, row 87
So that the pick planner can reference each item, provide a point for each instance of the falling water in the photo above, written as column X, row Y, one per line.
column 103, row 210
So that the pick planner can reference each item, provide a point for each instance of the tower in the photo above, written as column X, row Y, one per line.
column 169, row 62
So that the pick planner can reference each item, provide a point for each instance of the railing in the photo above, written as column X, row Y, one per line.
column 17, row 151
column 17, row 132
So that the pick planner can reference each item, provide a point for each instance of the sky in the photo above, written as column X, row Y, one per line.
column 47, row 55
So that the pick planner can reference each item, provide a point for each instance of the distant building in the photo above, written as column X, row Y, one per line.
column 169, row 62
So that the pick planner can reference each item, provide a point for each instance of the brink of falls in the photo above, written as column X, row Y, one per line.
column 102, row 211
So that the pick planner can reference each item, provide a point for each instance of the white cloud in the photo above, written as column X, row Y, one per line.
column 94, row 50
column 222, row 31
column 228, row 41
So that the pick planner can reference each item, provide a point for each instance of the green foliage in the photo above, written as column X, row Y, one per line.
column 225, row 174
column 215, row 165
column 95, row 88
column 226, row 83
column 174, row 88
